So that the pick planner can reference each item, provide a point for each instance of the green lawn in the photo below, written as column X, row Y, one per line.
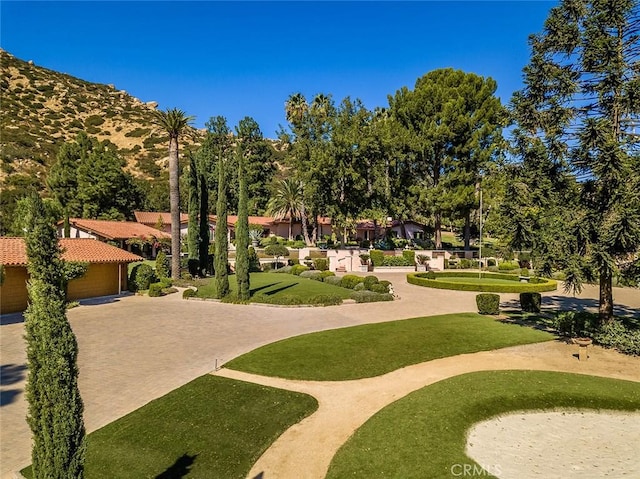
column 375, row 349
column 211, row 427
column 453, row 279
column 424, row 434
column 273, row 285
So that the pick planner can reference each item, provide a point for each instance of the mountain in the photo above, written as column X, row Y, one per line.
column 42, row 108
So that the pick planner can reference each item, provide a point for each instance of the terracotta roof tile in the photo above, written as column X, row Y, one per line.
column 13, row 251
column 118, row 230
column 150, row 218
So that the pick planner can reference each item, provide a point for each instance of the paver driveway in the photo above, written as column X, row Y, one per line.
column 135, row 349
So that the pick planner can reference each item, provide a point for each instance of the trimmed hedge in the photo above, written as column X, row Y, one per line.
column 189, row 293
column 535, row 285
column 155, row 290
column 321, row 264
column 377, row 257
column 142, row 275
column 488, row 303
column 370, row 297
column 349, row 281
column 530, row 302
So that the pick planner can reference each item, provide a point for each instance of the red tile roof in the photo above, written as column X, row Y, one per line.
column 117, row 230
column 13, row 251
column 150, row 218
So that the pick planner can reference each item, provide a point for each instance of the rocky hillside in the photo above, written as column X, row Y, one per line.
column 42, row 108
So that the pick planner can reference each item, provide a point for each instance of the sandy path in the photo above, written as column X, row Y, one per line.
column 344, row 406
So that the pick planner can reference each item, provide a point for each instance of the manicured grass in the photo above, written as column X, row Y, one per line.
column 424, row 434
column 279, row 284
column 479, row 280
column 211, row 427
column 490, row 282
column 375, row 349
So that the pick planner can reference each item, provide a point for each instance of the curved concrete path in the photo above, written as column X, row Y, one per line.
column 344, row 406
column 134, row 349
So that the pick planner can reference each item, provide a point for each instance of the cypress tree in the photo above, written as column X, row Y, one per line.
column 203, row 236
column 54, row 404
column 242, row 226
column 221, row 253
column 194, row 207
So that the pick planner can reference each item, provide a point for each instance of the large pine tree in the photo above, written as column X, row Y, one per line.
column 580, row 107
column 55, row 406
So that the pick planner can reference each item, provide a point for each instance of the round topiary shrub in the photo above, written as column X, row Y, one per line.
column 379, row 288
column 359, row 287
column 315, row 275
column 488, row 303
column 298, row 268
column 349, row 281
column 370, row 281
column 142, row 275
column 327, row 273
column 334, row 280
column 189, row 293
column 530, row 302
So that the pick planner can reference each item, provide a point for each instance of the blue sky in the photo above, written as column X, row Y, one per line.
column 243, row 58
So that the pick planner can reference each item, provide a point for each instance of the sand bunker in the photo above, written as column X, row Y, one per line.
column 562, row 444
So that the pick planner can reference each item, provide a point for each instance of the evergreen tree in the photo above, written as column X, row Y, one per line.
column 193, row 233
column 55, row 406
column 62, row 180
column 221, row 244
column 247, row 131
column 203, row 233
column 580, row 106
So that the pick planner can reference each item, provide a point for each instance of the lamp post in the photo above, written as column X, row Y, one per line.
column 480, row 246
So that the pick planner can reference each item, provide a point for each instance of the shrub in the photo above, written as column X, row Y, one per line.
column 325, row 300
column 379, row 288
column 327, row 274
column 465, row 263
column 530, row 302
column 284, row 299
column 321, row 264
column 298, row 268
column 185, row 275
column 359, row 287
column 377, row 257
column 155, row 290
column 614, row 334
column 575, row 323
column 491, row 262
column 162, row 265
column 423, row 259
column 283, row 269
column 397, row 261
column 142, row 275
column 440, row 282
column 508, row 265
column 409, row 255
column 254, row 261
column 524, row 272
column 189, row 293
column 277, row 250
column 488, row 303
column 334, row 280
column 370, row 281
column 350, row 280
column 386, row 284
column 315, row 275
column 370, row 297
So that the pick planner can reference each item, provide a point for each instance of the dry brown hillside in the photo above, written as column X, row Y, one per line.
column 42, row 108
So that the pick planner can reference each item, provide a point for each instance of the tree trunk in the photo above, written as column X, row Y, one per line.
column 174, row 200
column 467, row 230
column 67, row 226
column 305, row 229
column 438, row 230
column 605, row 310
column 290, row 227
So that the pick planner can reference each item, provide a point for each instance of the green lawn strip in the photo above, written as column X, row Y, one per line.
column 211, row 427
column 274, row 284
column 375, row 349
column 479, row 280
column 424, row 434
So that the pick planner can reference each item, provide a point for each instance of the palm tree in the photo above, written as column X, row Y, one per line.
column 288, row 201
column 295, row 108
column 173, row 121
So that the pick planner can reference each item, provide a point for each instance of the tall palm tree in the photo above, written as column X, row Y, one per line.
column 174, row 121
column 287, row 201
column 295, row 108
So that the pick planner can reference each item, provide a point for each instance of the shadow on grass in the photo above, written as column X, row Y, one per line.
column 178, row 469
column 255, row 290
column 282, row 288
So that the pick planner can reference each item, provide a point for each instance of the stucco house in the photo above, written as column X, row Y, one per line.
column 128, row 235
column 106, row 275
